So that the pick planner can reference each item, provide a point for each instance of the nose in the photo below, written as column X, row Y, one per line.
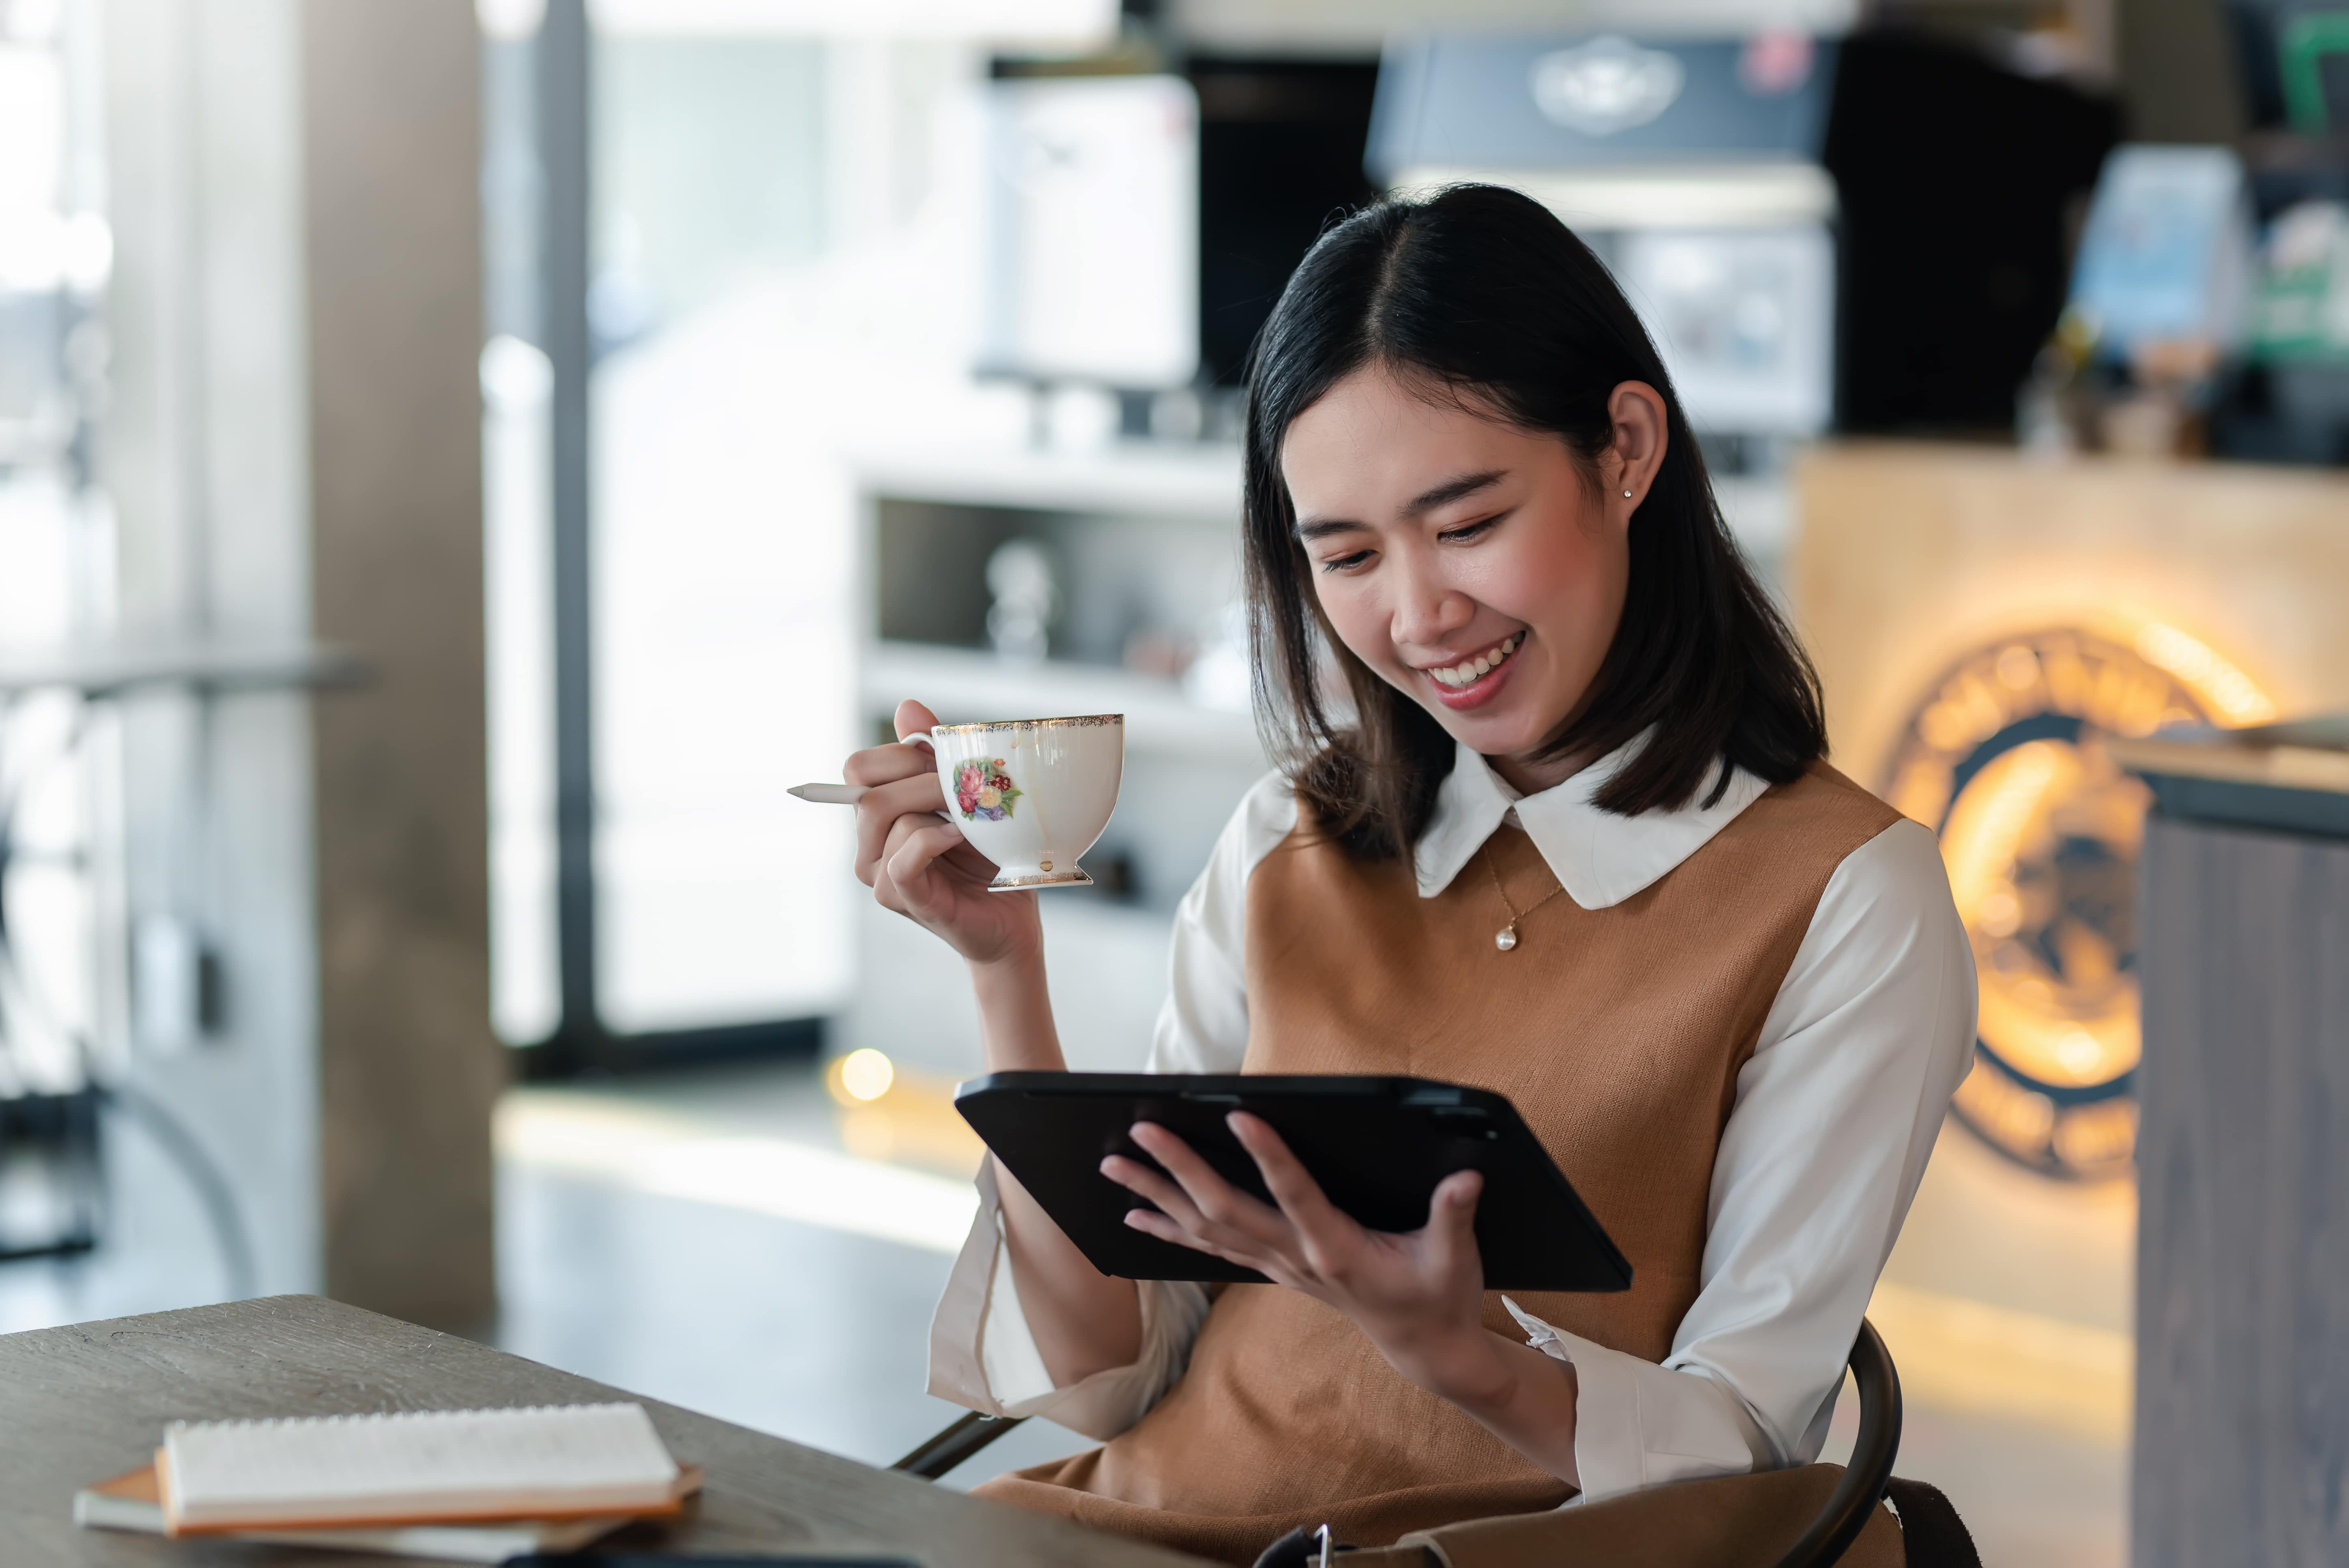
column 1427, row 609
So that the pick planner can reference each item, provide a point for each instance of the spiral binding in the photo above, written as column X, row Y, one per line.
column 387, row 1417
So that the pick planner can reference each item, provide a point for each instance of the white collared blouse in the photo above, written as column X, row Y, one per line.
column 1834, row 1116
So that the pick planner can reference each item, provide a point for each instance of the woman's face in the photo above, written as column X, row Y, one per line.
column 1467, row 560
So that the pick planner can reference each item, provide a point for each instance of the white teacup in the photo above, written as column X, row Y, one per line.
column 1032, row 794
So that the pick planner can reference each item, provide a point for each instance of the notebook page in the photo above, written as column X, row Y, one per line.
column 455, row 1463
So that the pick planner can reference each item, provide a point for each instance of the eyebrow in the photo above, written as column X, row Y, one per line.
column 1444, row 494
column 1453, row 490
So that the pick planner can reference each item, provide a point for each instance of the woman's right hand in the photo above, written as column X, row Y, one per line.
column 1083, row 1321
column 923, row 867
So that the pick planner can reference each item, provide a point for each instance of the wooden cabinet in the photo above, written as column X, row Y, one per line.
column 2242, row 1300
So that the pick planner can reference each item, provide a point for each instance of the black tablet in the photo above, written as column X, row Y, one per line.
column 1377, row 1145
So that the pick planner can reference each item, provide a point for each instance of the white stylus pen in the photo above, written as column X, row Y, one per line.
column 829, row 794
column 839, row 795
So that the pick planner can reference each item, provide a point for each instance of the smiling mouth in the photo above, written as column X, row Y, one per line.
column 1468, row 672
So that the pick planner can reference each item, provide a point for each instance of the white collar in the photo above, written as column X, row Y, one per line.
column 1599, row 858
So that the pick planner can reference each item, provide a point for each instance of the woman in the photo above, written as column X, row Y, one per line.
column 1574, row 842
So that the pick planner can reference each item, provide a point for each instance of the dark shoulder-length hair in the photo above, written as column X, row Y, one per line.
column 1478, row 294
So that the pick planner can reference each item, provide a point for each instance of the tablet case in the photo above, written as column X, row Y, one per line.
column 1377, row 1145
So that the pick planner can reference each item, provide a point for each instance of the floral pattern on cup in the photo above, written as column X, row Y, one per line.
column 982, row 788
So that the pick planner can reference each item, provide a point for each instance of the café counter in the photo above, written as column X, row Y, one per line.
column 2242, row 1289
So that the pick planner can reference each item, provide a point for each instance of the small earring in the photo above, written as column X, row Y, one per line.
column 1627, row 495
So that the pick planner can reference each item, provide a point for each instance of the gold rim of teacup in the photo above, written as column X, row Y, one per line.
column 1072, row 878
column 1086, row 719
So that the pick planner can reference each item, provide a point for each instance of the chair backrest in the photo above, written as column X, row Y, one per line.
column 1872, row 1453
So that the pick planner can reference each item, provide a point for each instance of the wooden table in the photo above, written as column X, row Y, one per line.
column 80, row 1404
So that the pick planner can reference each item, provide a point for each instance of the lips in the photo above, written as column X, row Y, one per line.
column 1474, row 680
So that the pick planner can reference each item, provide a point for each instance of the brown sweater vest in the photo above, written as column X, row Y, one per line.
column 1617, row 1033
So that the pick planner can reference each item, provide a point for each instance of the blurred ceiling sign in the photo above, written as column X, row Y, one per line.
column 1078, row 23
column 1362, row 27
column 1607, row 85
column 1460, row 101
column 1689, row 163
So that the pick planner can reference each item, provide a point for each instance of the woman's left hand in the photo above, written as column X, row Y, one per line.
column 1418, row 1295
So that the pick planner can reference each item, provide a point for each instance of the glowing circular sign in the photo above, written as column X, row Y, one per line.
column 2005, row 760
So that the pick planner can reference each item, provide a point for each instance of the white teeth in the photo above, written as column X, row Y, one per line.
column 1469, row 671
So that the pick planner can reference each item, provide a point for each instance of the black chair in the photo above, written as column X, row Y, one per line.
column 1838, row 1524
column 945, row 1449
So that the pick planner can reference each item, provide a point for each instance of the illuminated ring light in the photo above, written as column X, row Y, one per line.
column 2005, row 760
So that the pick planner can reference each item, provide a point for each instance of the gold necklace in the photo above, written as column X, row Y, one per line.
column 1507, row 938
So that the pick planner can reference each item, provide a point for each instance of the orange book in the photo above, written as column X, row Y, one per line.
column 134, row 1502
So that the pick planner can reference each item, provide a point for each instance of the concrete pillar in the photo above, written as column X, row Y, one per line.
column 409, row 1070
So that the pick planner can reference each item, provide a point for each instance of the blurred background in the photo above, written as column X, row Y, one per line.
column 459, row 463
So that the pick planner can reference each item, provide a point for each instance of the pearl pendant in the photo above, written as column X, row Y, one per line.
column 1506, row 938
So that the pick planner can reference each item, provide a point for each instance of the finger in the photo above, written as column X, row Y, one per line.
column 1178, row 1219
column 1155, row 1224
column 887, row 764
column 914, row 719
column 1452, row 1225
column 910, row 861
column 1221, row 1202
column 1143, row 1183
column 1292, row 1185
column 913, row 800
column 876, row 874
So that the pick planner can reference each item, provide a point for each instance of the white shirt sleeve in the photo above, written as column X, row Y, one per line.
column 1834, row 1116
column 982, row 1355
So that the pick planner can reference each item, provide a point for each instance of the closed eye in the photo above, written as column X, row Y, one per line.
column 1469, row 531
column 1346, row 562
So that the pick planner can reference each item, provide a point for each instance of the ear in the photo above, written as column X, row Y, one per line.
column 1637, row 451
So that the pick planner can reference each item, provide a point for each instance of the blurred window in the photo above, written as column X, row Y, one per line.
column 781, row 274
column 719, row 590
column 55, row 568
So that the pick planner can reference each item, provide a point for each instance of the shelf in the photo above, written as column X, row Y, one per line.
column 110, row 669
column 1141, row 479
column 964, row 684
